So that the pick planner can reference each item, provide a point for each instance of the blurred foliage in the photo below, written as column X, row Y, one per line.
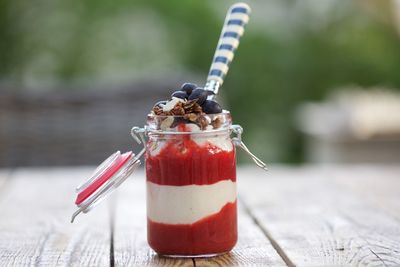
column 293, row 51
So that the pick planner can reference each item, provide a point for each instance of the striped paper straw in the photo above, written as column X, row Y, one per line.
column 236, row 18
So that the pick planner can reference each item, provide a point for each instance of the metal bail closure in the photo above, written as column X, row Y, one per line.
column 237, row 141
column 110, row 174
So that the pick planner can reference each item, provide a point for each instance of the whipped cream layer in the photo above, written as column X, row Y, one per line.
column 187, row 204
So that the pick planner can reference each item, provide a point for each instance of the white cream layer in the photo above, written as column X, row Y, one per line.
column 189, row 203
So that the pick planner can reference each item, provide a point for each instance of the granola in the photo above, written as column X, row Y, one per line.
column 189, row 105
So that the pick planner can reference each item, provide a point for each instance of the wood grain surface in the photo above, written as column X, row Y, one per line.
column 35, row 228
column 292, row 216
column 5, row 176
column 129, row 228
column 315, row 221
column 130, row 243
column 378, row 186
column 253, row 247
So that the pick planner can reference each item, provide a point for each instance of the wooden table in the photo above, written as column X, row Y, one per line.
column 292, row 216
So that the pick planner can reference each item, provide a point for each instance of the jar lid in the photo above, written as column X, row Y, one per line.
column 110, row 174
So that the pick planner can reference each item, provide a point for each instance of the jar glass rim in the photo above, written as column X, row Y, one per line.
column 225, row 113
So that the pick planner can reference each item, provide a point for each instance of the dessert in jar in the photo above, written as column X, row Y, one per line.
column 190, row 163
column 190, row 176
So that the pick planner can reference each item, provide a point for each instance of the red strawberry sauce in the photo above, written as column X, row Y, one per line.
column 214, row 234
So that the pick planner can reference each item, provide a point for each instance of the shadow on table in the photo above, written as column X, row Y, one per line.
column 226, row 259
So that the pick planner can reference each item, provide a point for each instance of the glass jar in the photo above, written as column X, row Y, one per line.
column 191, row 182
column 191, row 186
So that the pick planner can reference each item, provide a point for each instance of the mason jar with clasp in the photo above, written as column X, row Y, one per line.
column 191, row 187
column 190, row 168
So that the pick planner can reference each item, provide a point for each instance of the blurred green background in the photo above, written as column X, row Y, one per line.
column 293, row 51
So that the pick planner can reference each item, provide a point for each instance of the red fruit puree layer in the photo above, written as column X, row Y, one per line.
column 183, row 162
column 216, row 233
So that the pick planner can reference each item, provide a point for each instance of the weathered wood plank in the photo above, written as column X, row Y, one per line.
column 378, row 185
column 34, row 226
column 129, row 238
column 317, row 222
column 324, row 217
column 130, row 243
column 253, row 247
column 5, row 175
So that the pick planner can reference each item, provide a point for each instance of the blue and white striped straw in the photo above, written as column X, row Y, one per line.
column 236, row 18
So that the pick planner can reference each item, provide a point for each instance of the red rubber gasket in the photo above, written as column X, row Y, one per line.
column 88, row 191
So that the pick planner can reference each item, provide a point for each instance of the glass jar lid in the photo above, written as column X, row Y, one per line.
column 110, row 174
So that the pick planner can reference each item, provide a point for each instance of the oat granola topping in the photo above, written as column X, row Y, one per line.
column 192, row 105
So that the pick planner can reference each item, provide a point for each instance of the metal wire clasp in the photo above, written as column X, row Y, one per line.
column 138, row 135
column 237, row 141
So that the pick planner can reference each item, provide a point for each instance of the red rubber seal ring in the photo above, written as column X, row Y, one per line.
column 117, row 164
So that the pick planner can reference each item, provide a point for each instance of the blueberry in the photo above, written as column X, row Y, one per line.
column 199, row 94
column 211, row 107
column 179, row 94
column 188, row 87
